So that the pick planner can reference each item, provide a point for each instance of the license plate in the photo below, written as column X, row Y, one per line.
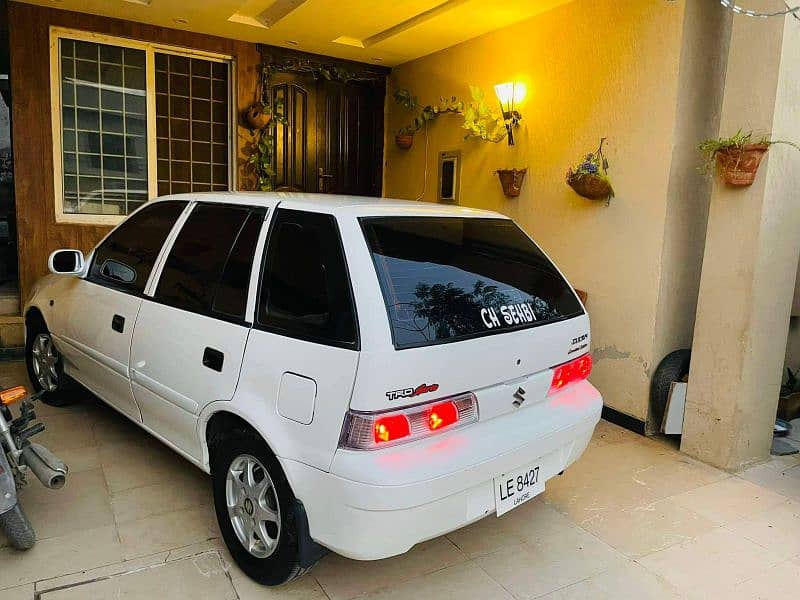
column 516, row 487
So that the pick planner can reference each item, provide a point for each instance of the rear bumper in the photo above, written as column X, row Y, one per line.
column 374, row 505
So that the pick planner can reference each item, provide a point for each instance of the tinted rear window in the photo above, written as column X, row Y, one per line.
column 446, row 278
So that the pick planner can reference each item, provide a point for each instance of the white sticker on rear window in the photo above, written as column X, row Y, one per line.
column 509, row 314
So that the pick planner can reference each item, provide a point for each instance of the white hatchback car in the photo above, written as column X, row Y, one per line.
column 355, row 374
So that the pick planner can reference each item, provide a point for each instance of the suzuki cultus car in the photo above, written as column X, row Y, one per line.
column 356, row 375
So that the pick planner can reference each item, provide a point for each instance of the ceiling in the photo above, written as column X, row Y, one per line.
column 387, row 32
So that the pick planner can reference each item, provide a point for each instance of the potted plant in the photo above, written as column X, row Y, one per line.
column 405, row 135
column 404, row 138
column 590, row 177
column 511, row 181
column 739, row 156
column 258, row 115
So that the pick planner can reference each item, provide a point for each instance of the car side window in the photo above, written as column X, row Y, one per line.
column 231, row 296
column 213, row 251
column 305, row 288
column 126, row 257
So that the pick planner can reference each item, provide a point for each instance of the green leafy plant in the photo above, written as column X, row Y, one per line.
column 711, row 147
column 428, row 113
column 404, row 98
column 483, row 122
column 261, row 148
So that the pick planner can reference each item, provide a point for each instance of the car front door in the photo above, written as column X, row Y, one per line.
column 190, row 335
column 95, row 317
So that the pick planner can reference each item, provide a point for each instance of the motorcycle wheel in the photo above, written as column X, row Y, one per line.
column 17, row 528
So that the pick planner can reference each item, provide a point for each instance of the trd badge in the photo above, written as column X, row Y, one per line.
column 411, row 392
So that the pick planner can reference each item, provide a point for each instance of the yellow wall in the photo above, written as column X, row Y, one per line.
column 592, row 68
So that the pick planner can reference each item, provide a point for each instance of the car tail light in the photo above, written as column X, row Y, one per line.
column 393, row 427
column 441, row 415
column 368, row 431
column 571, row 372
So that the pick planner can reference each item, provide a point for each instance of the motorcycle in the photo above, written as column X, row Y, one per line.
column 19, row 458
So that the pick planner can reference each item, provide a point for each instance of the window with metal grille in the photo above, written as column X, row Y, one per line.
column 191, row 124
column 134, row 120
column 104, row 128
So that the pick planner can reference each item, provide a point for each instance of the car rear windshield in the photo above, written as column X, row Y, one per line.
column 451, row 278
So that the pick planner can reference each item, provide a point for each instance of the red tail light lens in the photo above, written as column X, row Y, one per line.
column 368, row 431
column 571, row 372
column 394, row 427
column 441, row 415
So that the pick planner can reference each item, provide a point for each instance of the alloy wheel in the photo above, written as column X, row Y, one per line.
column 45, row 362
column 253, row 505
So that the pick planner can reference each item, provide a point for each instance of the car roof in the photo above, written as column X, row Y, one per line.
column 335, row 203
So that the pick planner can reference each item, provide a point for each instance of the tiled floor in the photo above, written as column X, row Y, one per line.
column 633, row 518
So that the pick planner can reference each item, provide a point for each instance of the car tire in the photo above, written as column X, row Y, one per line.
column 46, row 373
column 674, row 367
column 269, row 562
column 17, row 528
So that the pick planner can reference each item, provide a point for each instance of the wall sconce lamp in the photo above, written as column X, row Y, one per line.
column 510, row 95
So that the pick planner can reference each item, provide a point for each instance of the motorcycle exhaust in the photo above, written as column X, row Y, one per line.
column 47, row 467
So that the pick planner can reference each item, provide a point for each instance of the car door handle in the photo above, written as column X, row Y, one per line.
column 213, row 359
column 118, row 323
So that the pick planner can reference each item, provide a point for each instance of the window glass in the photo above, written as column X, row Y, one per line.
column 446, row 278
column 103, row 128
column 197, row 259
column 231, row 296
column 126, row 257
column 306, row 289
column 191, row 124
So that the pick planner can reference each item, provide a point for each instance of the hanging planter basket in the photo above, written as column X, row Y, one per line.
column 589, row 178
column 593, row 187
column 511, row 180
column 739, row 164
column 404, row 142
column 258, row 116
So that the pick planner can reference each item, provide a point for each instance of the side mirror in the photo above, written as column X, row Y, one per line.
column 66, row 262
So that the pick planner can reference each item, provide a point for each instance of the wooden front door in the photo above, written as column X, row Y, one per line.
column 333, row 140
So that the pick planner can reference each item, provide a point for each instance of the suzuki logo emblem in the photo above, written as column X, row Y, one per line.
column 519, row 396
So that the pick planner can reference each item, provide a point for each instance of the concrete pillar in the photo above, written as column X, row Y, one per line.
column 750, row 258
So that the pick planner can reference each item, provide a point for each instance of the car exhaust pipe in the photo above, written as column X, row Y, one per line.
column 47, row 467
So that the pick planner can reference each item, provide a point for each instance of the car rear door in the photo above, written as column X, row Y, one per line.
column 94, row 317
column 302, row 354
column 191, row 333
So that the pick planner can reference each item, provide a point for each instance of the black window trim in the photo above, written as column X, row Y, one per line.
column 243, row 322
column 469, row 336
column 120, row 287
column 356, row 344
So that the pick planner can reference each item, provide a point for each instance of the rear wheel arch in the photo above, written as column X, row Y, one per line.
column 223, row 421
